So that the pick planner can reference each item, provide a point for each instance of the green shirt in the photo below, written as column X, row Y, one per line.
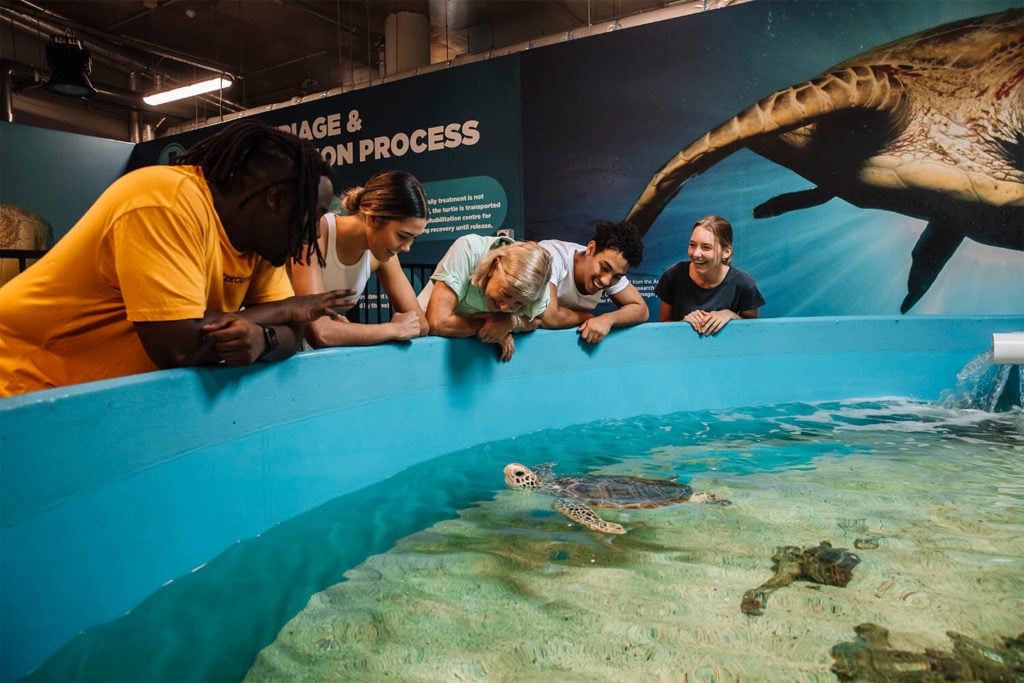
column 456, row 267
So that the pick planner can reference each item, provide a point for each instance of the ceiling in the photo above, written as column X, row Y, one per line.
column 275, row 50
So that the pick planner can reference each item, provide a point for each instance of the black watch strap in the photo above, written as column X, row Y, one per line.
column 270, row 343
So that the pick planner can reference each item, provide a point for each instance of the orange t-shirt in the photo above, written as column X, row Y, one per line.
column 151, row 248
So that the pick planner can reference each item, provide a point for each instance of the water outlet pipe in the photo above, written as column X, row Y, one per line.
column 1008, row 348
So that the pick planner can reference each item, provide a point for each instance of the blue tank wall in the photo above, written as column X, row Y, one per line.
column 45, row 171
column 110, row 489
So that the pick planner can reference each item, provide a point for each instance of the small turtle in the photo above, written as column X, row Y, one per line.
column 577, row 494
column 821, row 564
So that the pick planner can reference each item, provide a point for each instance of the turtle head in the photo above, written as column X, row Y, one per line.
column 521, row 477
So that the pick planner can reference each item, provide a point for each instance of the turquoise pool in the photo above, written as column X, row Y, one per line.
column 112, row 489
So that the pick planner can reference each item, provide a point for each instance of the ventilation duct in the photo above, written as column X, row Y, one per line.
column 406, row 42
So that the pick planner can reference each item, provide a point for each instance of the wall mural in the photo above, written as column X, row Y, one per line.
column 899, row 166
column 921, row 138
column 930, row 126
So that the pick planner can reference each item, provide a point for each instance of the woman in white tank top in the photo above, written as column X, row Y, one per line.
column 385, row 216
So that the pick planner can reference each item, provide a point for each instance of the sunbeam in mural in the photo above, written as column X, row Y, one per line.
column 930, row 126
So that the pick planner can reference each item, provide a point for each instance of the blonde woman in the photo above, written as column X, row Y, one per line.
column 384, row 217
column 488, row 288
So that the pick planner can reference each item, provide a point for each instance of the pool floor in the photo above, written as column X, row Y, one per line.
column 510, row 590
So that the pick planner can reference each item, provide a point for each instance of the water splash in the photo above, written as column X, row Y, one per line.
column 984, row 385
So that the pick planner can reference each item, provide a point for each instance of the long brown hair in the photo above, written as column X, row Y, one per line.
column 721, row 229
column 391, row 195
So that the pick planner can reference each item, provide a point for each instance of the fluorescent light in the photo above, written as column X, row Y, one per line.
column 218, row 83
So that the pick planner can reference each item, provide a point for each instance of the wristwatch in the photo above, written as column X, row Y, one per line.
column 269, row 341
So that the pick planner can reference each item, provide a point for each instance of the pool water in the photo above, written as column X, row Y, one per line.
column 441, row 573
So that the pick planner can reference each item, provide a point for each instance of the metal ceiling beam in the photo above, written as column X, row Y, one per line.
column 40, row 18
column 53, row 24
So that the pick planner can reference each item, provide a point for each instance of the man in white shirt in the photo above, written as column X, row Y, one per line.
column 580, row 275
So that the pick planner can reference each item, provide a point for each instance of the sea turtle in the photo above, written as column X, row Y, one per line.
column 871, row 657
column 929, row 126
column 821, row 564
column 577, row 494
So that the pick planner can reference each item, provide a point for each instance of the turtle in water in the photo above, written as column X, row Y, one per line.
column 871, row 657
column 930, row 126
column 820, row 564
column 576, row 495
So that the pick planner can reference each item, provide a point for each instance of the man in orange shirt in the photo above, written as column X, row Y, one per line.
column 175, row 266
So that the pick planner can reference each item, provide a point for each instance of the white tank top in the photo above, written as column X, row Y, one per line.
column 336, row 274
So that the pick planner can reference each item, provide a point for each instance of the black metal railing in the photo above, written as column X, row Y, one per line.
column 23, row 256
column 374, row 307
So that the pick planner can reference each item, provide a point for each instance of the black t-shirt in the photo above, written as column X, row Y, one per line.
column 737, row 292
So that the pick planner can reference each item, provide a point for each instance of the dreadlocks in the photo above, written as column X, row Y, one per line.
column 248, row 145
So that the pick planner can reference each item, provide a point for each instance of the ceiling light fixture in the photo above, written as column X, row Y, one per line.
column 199, row 88
column 71, row 66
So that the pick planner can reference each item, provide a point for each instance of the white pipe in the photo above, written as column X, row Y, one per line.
column 1008, row 348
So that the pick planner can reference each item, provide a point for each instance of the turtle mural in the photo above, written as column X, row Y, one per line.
column 929, row 126
column 576, row 495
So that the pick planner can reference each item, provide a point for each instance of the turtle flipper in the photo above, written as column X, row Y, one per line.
column 792, row 201
column 851, row 88
column 935, row 246
column 787, row 570
column 581, row 514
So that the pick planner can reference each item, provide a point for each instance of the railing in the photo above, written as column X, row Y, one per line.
column 374, row 307
column 23, row 256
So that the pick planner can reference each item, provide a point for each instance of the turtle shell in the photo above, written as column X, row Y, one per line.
column 620, row 492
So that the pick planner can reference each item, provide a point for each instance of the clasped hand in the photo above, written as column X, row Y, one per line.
column 711, row 323
column 497, row 329
column 496, row 326
column 238, row 341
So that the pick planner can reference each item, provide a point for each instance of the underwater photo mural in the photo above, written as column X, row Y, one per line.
column 920, row 136
column 929, row 126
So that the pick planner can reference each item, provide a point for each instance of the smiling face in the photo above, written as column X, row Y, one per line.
column 499, row 294
column 597, row 270
column 388, row 237
column 707, row 255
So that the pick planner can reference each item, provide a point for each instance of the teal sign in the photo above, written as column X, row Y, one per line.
column 477, row 204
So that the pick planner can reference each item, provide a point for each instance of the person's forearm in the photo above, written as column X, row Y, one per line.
column 562, row 318
column 269, row 313
column 629, row 314
column 272, row 314
column 192, row 342
column 326, row 332
column 288, row 339
column 456, row 325
column 524, row 324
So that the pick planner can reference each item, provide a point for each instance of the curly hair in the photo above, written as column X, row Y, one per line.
column 622, row 237
column 232, row 155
